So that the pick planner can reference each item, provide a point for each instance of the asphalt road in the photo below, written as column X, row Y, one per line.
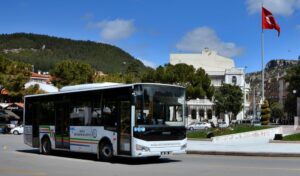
column 18, row 159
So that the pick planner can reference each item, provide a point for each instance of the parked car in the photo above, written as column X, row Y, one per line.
column 4, row 115
column 199, row 126
column 2, row 129
column 222, row 125
column 17, row 130
column 256, row 122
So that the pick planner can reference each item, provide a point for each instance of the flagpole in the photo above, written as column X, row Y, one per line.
column 262, row 62
column 262, row 67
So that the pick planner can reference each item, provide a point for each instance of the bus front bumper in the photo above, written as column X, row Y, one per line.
column 141, row 148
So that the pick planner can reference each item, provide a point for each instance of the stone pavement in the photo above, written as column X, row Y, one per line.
column 259, row 148
column 251, row 149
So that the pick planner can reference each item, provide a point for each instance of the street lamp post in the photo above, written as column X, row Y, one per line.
column 296, row 118
column 297, row 103
column 244, row 90
column 254, row 104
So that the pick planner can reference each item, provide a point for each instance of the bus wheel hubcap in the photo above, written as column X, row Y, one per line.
column 106, row 151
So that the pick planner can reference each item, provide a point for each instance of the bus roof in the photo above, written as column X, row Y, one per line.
column 96, row 86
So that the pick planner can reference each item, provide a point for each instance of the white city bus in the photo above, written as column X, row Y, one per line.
column 136, row 120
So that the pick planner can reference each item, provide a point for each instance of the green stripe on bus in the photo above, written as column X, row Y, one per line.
column 80, row 139
column 45, row 126
column 60, row 137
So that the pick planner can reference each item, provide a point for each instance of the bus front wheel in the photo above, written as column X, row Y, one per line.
column 46, row 146
column 105, row 151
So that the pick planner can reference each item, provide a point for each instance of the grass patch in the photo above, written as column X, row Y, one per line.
column 225, row 131
column 292, row 137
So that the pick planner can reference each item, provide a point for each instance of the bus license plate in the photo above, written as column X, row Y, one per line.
column 166, row 153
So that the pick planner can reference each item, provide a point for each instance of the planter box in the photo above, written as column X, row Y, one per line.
column 248, row 137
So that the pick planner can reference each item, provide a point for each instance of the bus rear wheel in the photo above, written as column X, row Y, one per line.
column 46, row 146
column 105, row 151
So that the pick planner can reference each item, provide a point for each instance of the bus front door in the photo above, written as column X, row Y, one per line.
column 124, row 138
column 62, row 135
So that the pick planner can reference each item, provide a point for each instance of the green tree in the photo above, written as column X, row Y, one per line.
column 13, row 76
column 197, row 82
column 44, row 51
column 265, row 113
column 293, row 78
column 200, row 84
column 148, row 75
column 117, row 78
column 132, row 69
column 34, row 89
column 229, row 99
column 69, row 72
column 277, row 112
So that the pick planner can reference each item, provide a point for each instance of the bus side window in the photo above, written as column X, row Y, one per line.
column 109, row 116
column 96, row 116
column 77, row 117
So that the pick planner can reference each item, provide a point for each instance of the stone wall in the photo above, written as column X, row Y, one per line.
column 248, row 137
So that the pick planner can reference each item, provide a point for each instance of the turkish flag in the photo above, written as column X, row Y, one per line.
column 268, row 21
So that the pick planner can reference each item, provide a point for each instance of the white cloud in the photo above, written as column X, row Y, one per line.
column 148, row 63
column 279, row 7
column 113, row 30
column 205, row 37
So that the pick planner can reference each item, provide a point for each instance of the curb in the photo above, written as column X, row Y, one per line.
column 200, row 139
column 264, row 154
column 284, row 142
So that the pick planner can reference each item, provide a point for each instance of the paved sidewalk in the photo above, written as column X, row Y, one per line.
column 244, row 148
column 251, row 149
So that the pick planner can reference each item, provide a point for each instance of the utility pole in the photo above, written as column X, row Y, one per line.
column 244, row 91
column 254, row 104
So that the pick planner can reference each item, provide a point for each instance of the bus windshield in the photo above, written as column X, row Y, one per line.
column 159, row 105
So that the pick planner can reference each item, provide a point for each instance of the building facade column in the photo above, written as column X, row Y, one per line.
column 205, row 113
column 197, row 114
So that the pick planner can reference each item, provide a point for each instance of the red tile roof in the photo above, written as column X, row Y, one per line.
column 4, row 92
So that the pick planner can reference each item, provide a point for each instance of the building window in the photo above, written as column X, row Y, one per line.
column 234, row 80
column 209, row 114
column 194, row 114
column 201, row 114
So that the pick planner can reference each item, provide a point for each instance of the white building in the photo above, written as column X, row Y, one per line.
column 43, row 80
column 221, row 70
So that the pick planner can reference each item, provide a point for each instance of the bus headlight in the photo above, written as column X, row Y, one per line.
column 141, row 147
column 183, row 147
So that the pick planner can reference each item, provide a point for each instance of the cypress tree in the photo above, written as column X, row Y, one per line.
column 265, row 113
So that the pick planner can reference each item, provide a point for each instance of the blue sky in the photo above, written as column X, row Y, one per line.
column 152, row 29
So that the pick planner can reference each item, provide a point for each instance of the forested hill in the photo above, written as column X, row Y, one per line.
column 44, row 51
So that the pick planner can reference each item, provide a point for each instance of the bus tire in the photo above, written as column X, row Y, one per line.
column 105, row 151
column 46, row 146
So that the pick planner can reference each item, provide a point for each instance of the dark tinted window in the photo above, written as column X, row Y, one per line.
column 159, row 105
column 28, row 112
column 81, row 109
column 46, row 113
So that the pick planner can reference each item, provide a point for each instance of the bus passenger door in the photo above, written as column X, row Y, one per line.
column 124, row 129
column 62, row 135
